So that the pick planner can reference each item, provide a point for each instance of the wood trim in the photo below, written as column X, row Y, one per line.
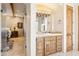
column 78, row 28
column 12, row 7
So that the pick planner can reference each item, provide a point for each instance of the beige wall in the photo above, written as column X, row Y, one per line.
column 59, row 20
column 11, row 22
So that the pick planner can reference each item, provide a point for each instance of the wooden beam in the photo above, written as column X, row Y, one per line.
column 12, row 7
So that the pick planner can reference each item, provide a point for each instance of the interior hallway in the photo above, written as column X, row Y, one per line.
column 18, row 48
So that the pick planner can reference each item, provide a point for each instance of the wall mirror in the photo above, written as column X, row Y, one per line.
column 42, row 20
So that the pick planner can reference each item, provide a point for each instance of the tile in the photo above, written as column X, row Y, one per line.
column 18, row 48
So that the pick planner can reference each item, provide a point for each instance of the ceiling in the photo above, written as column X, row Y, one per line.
column 49, row 7
column 14, row 9
column 19, row 9
column 52, row 6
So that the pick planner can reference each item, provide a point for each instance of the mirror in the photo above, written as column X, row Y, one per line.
column 42, row 20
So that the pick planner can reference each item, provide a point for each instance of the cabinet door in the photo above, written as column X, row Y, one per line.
column 47, row 45
column 53, row 45
column 40, row 46
column 59, row 43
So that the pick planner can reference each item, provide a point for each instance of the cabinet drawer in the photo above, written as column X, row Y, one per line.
column 59, row 43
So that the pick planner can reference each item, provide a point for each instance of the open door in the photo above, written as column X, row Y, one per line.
column 78, row 28
column 69, row 28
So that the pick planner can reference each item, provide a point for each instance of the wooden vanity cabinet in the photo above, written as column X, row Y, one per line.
column 50, row 45
column 59, row 43
column 40, row 46
column 53, row 44
column 47, row 45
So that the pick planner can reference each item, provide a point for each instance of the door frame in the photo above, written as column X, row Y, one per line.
column 78, row 28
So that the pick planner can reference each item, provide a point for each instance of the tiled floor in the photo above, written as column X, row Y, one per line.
column 18, row 48
column 57, row 54
column 63, row 54
column 78, row 53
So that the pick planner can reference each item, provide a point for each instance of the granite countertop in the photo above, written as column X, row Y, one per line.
column 48, row 34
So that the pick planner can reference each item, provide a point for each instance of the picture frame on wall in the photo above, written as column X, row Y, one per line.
column 20, row 25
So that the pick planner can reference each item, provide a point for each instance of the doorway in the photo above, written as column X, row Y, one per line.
column 69, row 28
column 13, row 39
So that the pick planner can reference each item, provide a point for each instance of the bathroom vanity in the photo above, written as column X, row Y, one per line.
column 48, row 43
column 49, row 32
